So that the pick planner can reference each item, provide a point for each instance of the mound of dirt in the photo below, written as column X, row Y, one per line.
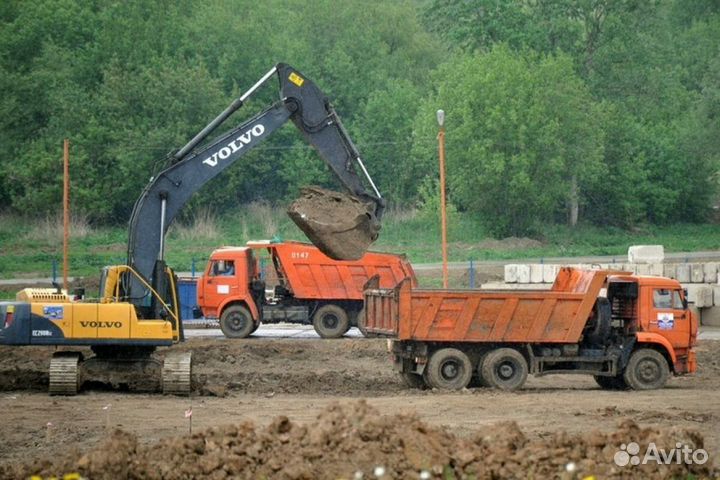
column 346, row 440
column 351, row 367
column 253, row 365
column 338, row 224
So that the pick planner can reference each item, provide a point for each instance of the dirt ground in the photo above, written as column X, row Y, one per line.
column 259, row 379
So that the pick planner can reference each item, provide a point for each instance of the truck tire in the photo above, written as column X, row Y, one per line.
column 413, row 380
column 611, row 383
column 360, row 321
column 448, row 369
column 504, row 369
column 236, row 322
column 331, row 321
column 647, row 369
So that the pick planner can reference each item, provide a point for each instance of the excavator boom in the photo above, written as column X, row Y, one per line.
column 341, row 225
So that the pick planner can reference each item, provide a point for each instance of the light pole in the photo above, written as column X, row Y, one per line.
column 443, row 216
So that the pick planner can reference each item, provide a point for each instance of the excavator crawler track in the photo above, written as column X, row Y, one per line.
column 177, row 374
column 65, row 373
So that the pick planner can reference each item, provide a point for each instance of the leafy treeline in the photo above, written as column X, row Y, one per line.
column 602, row 111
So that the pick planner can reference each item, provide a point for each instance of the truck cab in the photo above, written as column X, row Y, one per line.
column 228, row 278
column 656, row 310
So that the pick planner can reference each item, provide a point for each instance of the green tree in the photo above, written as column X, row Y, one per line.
column 384, row 134
column 520, row 127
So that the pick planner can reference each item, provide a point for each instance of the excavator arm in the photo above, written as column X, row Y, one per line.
column 306, row 106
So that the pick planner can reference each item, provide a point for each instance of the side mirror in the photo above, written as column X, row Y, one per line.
column 684, row 300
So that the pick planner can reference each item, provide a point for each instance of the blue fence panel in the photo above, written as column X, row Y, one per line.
column 187, row 288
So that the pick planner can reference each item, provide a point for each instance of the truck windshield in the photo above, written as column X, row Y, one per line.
column 664, row 298
column 222, row 268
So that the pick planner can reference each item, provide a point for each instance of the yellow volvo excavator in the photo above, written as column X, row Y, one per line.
column 138, row 308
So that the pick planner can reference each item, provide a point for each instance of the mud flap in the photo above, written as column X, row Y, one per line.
column 340, row 225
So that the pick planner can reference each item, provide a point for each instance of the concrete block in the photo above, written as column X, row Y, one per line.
column 646, row 254
column 523, row 273
column 711, row 272
column 549, row 273
column 511, row 273
column 536, row 273
column 669, row 270
column 656, row 269
column 710, row 316
column 697, row 273
column 682, row 272
column 716, row 295
column 643, row 269
column 700, row 294
column 515, row 286
column 630, row 267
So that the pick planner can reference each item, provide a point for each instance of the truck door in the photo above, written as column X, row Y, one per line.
column 668, row 316
column 221, row 283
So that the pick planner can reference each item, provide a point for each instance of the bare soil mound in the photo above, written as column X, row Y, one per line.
column 253, row 365
column 356, row 438
column 291, row 365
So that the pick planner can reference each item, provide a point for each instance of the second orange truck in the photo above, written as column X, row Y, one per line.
column 626, row 331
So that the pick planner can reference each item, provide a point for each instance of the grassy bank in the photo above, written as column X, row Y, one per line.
column 28, row 247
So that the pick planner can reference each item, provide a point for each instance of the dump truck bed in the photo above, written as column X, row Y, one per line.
column 312, row 275
column 557, row 315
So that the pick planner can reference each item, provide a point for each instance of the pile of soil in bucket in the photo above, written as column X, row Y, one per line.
column 340, row 225
column 355, row 441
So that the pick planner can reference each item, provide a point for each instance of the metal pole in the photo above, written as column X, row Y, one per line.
column 472, row 274
column 163, row 208
column 66, row 210
column 443, row 216
column 237, row 103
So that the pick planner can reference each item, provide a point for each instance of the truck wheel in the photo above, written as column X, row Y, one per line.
column 236, row 322
column 361, row 325
column 646, row 370
column 448, row 369
column 611, row 383
column 504, row 368
column 331, row 321
column 413, row 380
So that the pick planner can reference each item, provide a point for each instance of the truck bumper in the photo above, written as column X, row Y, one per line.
column 686, row 363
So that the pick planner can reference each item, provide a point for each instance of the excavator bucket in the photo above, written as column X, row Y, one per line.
column 340, row 225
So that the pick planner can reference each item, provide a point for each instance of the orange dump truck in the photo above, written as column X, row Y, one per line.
column 627, row 331
column 300, row 284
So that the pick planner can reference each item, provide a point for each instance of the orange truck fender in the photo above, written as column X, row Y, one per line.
column 658, row 340
column 234, row 301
